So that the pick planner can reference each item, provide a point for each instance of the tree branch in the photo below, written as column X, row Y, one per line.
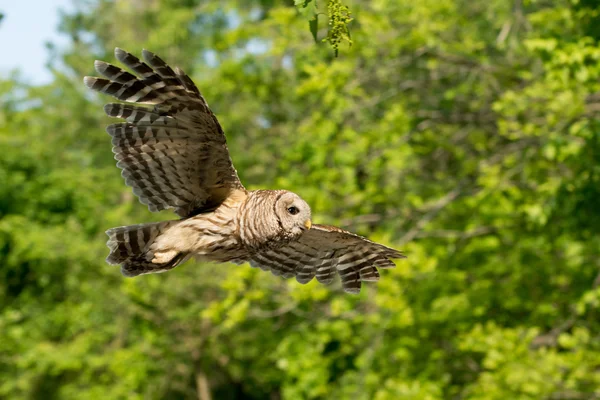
column 433, row 211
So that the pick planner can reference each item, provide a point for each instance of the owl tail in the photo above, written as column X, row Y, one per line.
column 131, row 246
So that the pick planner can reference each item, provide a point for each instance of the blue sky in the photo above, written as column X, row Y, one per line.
column 26, row 27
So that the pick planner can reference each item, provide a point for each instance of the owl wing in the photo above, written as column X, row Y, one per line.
column 173, row 154
column 323, row 250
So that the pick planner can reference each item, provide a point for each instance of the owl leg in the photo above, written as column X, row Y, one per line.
column 132, row 247
column 163, row 257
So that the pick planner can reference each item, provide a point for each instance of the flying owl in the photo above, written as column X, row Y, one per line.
column 174, row 155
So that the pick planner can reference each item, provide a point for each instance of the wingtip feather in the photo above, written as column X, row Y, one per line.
column 120, row 54
column 89, row 81
column 147, row 55
column 100, row 66
column 352, row 290
column 108, row 109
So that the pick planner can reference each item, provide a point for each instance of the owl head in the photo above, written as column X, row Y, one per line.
column 293, row 214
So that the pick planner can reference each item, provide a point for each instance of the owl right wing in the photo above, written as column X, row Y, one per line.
column 174, row 154
column 323, row 250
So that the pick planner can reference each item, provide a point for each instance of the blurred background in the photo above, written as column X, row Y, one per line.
column 466, row 133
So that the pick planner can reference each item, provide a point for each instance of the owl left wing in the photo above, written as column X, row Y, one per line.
column 323, row 250
column 173, row 154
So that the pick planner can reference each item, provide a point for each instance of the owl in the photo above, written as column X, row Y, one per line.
column 172, row 152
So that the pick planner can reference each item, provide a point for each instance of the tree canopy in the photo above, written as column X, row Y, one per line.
column 465, row 133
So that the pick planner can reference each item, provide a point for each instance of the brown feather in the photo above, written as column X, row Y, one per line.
column 173, row 153
column 324, row 250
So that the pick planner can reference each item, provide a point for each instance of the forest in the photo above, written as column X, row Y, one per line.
column 465, row 133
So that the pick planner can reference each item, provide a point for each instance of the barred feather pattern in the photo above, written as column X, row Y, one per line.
column 158, row 247
column 173, row 155
column 322, row 252
column 130, row 247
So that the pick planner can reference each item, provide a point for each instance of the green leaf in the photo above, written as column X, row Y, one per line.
column 313, row 24
column 307, row 8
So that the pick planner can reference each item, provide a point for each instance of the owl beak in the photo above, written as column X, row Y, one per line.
column 307, row 224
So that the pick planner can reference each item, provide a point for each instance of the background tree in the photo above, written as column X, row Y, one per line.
column 465, row 133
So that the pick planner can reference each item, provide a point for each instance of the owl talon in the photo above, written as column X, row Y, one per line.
column 164, row 257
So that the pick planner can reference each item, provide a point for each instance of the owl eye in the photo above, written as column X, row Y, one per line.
column 293, row 210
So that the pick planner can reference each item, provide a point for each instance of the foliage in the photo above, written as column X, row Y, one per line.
column 338, row 20
column 465, row 133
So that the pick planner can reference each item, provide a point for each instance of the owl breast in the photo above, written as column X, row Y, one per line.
column 212, row 236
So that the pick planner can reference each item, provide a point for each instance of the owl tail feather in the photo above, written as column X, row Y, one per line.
column 131, row 246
